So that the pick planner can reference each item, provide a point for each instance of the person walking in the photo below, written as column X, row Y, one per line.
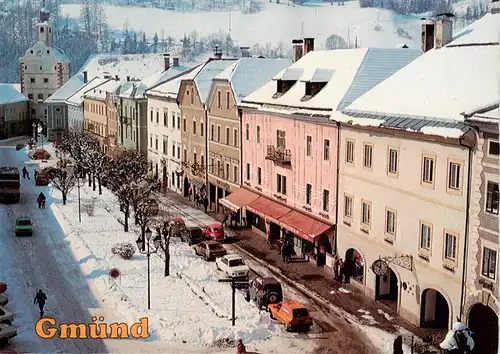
column 26, row 174
column 40, row 299
column 398, row 345
column 240, row 348
column 205, row 204
column 335, row 267
column 190, row 193
column 341, row 270
column 224, row 220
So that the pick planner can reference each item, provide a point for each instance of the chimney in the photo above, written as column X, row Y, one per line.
column 128, row 78
column 117, row 78
column 85, row 77
column 427, row 31
column 176, row 61
column 245, row 52
column 443, row 30
column 308, row 45
column 297, row 49
column 217, row 53
column 166, row 61
column 495, row 7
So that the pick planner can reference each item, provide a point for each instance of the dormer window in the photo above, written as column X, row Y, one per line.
column 283, row 86
column 312, row 88
column 286, row 80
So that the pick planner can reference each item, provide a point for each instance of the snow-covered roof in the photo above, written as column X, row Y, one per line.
column 77, row 98
column 204, row 74
column 74, row 84
column 170, row 88
column 99, row 92
column 59, row 54
column 348, row 72
column 440, row 84
column 248, row 74
column 487, row 114
column 484, row 30
column 164, row 76
column 9, row 93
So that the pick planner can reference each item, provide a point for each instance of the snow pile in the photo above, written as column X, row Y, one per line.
column 442, row 131
column 382, row 339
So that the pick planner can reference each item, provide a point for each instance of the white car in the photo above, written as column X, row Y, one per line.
column 6, row 332
column 233, row 265
column 6, row 316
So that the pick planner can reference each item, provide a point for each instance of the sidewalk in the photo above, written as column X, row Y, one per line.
column 320, row 280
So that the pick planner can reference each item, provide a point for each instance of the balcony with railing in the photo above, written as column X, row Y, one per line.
column 279, row 155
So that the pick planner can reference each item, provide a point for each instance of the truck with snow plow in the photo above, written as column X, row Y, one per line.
column 10, row 184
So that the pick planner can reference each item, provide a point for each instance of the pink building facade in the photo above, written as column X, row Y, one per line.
column 292, row 162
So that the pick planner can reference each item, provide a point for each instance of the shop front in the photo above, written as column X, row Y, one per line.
column 236, row 203
column 218, row 189
column 194, row 186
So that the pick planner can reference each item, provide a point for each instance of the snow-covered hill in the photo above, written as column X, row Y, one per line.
column 277, row 22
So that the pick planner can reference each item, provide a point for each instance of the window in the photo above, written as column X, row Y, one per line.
column 390, row 222
column 349, row 151
column 202, row 129
column 173, row 150
column 258, row 134
column 45, row 80
column 326, row 149
column 248, row 171
column 227, row 171
column 32, row 80
column 308, row 145
column 450, row 247
column 492, row 198
column 367, row 155
column 247, row 131
column 173, row 120
column 40, row 96
column 280, row 139
column 211, row 164
column 150, row 114
column 428, row 169
column 165, row 117
column 228, row 136
column 219, row 99
column 157, row 117
column 212, row 131
column 425, row 236
column 454, row 179
column 348, row 204
column 281, row 184
column 392, row 165
column 179, row 121
column 235, row 174
column 151, row 142
column 30, row 96
column 218, row 133
column 493, row 148
column 259, row 176
column 227, row 99
column 194, row 128
column 156, row 144
column 235, row 137
column 184, row 125
column 366, row 213
column 326, row 200
column 165, row 145
column 308, row 193
column 178, row 152
column 489, row 263
column 195, row 158
column 185, row 155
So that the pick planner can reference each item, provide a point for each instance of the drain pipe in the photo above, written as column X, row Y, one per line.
column 467, row 219
column 337, row 189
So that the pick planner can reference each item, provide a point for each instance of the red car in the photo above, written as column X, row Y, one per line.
column 214, row 231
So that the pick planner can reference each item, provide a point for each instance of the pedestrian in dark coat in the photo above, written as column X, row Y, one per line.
column 40, row 299
column 398, row 345
column 190, row 193
column 224, row 220
column 335, row 267
column 205, row 204
column 341, row 270
column 26, row 174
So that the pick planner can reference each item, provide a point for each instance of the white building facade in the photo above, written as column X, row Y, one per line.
column 44, row 69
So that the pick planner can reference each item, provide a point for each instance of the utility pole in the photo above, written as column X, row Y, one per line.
column 235, row 284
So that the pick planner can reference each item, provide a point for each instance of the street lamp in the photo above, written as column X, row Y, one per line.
column 78, row 184
column 148, row 252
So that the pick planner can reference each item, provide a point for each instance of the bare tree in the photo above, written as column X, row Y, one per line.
column 62, row 179
column 163, row 229
column 147, row 209
column 93, row 158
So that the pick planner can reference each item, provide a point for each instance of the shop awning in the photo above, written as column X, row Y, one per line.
column 268, row 209
column 197, row 183
column 302, row 225
column 238, row 199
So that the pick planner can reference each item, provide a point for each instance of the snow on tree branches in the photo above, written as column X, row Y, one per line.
column 63, row 179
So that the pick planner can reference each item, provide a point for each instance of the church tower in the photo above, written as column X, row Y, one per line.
column 43, row 29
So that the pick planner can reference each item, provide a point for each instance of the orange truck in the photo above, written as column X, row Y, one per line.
column 292, row 314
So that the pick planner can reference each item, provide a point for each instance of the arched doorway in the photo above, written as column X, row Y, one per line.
column 387, row 288
column 186, row 187
column 434, row 310
column 356, row 264
column 483, row 321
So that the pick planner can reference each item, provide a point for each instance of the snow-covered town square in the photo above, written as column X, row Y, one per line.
column 249, row 176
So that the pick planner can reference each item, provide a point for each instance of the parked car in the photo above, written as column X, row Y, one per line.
column 192, row 235
column 6, row 316
column 4, row 300
column 233, row 265
column 6, row 332
column 177, row 226
column 264, row 291
column 292, row 314
column 214, row 231
column 24, row 226
column 19, row 147
column 209, row 250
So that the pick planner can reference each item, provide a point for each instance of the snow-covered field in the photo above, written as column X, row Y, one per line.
column 277, row 22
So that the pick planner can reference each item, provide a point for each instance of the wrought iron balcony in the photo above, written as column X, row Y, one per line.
column 279, row 155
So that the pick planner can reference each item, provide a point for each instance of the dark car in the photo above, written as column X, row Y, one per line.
column 192, row 235
column 209, row 250
column 19, row 147
column 264, row 291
